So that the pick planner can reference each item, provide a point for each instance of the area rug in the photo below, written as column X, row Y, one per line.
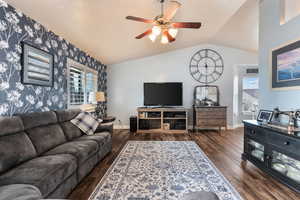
column 162, row 170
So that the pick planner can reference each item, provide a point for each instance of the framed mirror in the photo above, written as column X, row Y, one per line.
column 206, row 95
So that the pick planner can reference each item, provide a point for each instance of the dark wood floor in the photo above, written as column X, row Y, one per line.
column 223, row 150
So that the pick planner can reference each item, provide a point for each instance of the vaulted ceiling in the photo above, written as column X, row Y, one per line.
column 99, row 26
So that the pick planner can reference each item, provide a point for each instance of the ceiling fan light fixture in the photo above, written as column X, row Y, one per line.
column 163, row 24
column 173, row 32
column 152, row 37
column 156, row 30
column 164, row 39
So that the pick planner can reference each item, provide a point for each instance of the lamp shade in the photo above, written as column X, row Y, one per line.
column 100, row 96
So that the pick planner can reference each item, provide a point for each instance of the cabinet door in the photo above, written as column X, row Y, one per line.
column 286, row 165
column 255, row 150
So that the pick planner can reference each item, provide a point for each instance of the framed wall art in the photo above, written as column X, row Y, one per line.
column 265, row 115
column 37, row 66
column 286, row 66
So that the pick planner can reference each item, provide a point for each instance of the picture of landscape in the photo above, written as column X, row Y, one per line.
column 288, row 66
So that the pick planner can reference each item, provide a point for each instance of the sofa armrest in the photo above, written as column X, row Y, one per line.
column 20, row 192
column 105, row 127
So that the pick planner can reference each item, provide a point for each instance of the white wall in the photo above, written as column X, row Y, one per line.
column 125, row 80
column 273, row 35
column 290, row 10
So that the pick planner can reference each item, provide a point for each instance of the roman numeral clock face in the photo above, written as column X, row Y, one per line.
column 206, row 66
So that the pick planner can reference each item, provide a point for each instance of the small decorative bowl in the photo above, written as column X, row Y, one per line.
column 293, row 173
column 279, row 167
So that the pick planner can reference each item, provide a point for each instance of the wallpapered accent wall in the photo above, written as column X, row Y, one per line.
column 15, row 97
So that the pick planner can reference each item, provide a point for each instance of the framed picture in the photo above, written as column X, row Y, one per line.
column 265, row 116
column 286, row 66
column 37, row 66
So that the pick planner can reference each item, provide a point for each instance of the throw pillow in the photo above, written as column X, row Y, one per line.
column 86, row 122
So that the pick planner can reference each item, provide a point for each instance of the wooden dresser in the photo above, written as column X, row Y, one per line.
column 210, row 117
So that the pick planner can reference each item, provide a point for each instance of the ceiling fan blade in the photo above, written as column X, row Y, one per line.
column 169, row 36
column 195, row 25
column 148, row 32
column 172, row 10
column 139, row 19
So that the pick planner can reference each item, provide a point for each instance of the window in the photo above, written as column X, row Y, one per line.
column 82, row 84
column 250, row 95
column 91, row 87
column 289, row 10
column 76, row 86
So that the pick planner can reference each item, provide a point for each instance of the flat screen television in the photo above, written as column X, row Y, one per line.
column 163, row 94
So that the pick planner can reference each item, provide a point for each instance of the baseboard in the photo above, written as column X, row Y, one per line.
column 237, row 126
column 121, row 126
column 229, row 127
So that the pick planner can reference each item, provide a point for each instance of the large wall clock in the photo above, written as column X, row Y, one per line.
column 206, row 66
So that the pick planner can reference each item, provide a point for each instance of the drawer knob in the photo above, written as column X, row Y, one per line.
column 253, row 132
column 287, row 143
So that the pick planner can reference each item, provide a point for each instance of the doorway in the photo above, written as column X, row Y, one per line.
column 246, row 93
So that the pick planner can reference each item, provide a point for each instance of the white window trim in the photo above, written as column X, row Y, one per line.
column 73, row 63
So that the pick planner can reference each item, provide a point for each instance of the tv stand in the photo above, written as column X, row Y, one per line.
column 162, row 120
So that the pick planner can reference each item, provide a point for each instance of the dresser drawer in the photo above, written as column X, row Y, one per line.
column 211, row 122
column 210, row 114
column 256, row 133
column 212, row 109
column 285, row 142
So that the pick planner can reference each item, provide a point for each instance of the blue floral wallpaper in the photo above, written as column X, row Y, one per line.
column 15, row 97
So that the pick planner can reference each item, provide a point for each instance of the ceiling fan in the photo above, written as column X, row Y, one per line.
column 163, row 25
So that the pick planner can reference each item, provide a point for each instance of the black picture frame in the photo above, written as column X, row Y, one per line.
column 286, row 76
column 37, row 66
column 265, row 115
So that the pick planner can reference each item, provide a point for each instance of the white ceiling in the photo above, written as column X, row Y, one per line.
column 99, row 26
column 241, row 31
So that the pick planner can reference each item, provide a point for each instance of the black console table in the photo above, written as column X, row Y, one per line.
column 274, row 151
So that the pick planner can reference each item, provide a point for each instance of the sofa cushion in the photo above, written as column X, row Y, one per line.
column 15, row 149
column 67, row 115
column 10, row 125
column 100, row 138
column 45, row 172
column 38, row 119
column 71, row 131
column 82, row 150
column 46, row 137
column 20, row 192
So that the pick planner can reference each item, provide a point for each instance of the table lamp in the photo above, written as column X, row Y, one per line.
column 100, row 97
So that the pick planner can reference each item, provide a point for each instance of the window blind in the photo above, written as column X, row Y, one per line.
column 76, row 86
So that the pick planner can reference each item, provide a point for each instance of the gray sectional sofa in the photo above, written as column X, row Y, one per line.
column 43, row 155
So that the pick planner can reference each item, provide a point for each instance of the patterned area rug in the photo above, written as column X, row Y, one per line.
column 161, row 170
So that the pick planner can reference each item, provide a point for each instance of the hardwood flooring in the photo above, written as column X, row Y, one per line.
column 223, row 150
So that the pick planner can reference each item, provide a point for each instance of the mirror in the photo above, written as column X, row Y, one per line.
column 206, row 96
